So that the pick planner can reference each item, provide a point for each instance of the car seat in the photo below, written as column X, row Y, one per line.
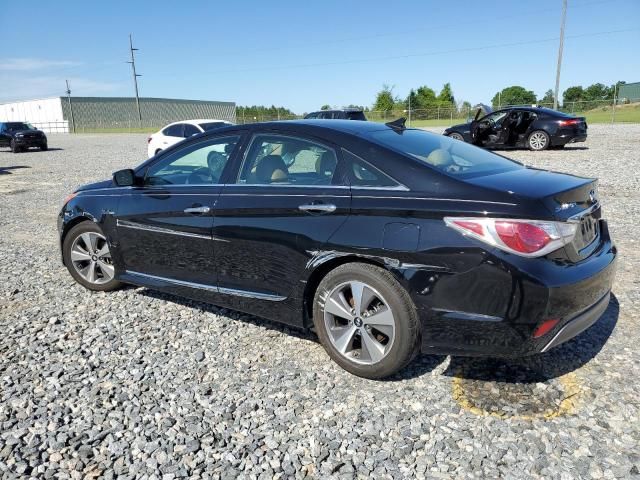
column 271, row 169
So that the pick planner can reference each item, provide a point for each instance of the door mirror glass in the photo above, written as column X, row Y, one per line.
column 124, row 178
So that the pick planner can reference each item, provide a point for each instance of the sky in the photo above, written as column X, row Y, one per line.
column 304, row 54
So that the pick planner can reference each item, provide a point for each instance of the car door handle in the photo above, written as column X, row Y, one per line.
column 197, row 210
column 318, row 208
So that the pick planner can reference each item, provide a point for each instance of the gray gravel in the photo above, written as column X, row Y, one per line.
column 140, row 384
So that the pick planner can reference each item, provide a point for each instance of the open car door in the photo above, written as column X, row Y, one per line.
column 477, row 136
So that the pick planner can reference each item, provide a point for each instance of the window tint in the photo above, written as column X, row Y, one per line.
column 363, row 174
column 276, row 159
column 190, row 130
column 174, row 130
column 201, row 163
column 449, row 156
column 17, row 126
column 355, row 116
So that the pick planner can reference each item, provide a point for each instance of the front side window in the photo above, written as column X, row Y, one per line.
column 281, row 160
column 198, row 164
column 449, row 156
column 17, row 126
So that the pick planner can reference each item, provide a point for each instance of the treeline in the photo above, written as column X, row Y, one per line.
column 259, row 113
column 593, row 95
column 422, row 101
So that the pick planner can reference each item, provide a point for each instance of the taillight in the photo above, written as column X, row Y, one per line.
column 528, row 238
column 565, row 123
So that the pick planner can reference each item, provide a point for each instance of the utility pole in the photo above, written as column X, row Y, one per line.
column 135, row 78
column 73, row 123
column 564, row 18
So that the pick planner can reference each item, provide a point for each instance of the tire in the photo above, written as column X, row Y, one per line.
column 87, row 257
column 383, row 352
column 14, row 147
column 456, row 136
column 538, row 140
column 44, row 147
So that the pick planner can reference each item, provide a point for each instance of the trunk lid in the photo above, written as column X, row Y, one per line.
column 567, row 198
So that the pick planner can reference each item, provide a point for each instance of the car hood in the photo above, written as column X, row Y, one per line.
column 96, row 185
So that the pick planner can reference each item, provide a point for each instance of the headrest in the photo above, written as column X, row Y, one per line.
column 439, row 157
column 326, row 164
column 271, row 169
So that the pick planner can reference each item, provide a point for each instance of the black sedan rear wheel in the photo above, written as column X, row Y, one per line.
column 538, row 140
column 366, row 320
column 456, row 136
column 44, row 147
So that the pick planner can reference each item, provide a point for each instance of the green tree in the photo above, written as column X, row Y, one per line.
column 446, row 95
column 573, row 94
column 325, row 107
column 514, row 95
column 548, row 97
column 385, row 101
column 597, row 91
column 465, row 108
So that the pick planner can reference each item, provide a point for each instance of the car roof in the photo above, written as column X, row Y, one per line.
column 344, row 126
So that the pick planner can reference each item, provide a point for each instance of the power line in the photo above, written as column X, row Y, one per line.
column 426, row 54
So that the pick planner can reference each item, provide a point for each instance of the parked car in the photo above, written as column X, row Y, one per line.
column 388, row 241
column 343, row 114
column 178, row 131
column 521, row 127
column 19, row 136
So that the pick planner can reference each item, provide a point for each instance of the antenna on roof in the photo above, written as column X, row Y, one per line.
column 398, row 124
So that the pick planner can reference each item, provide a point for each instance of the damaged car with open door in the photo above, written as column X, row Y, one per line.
column 535, row 128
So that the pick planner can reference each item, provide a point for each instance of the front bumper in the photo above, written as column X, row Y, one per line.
column 30, row 141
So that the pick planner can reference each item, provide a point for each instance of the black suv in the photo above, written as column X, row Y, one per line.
column 344, row 114
column 20, row 135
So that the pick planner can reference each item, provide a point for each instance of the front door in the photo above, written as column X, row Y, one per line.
column 281, row 209
column 164, row 226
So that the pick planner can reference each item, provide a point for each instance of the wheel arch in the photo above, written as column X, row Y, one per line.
column 322, row 269
column 69, row 225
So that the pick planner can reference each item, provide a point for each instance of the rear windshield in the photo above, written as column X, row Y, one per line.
column 356, row 116
column 453, row 157
column 556, row 113
column 212, row 125
column 17, row 126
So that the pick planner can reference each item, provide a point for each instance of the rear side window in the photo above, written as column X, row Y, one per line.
column 449, row 156
column 174, row 130
column 190, row 130
column 283, row 160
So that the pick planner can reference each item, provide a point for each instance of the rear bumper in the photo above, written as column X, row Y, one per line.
column 496, row 308
column 566, row 139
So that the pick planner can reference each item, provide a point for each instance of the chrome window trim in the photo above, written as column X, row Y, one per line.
column 212, row 288
column 152, row 228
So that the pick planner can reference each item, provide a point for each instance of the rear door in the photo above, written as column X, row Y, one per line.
column 172, row 135
column 164, row 226
column 276, row 215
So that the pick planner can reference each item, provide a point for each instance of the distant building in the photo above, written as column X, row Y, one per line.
column 57, row 114
column 629, row 92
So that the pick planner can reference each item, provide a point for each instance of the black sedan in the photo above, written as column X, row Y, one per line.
column 388, row 241
column 19, row 136
column 521, row 127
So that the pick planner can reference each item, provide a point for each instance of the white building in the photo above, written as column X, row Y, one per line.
column 45, row 114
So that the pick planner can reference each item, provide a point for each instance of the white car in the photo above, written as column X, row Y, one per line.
column 178, row 131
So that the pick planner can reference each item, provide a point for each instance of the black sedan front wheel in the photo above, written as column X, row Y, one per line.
column 366, row 321
column 14, row 147
column 88, row 258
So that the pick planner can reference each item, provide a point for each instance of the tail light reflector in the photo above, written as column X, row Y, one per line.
column 545, row 327
column 528, row 238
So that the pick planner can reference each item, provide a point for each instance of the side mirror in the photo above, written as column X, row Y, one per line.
column 124, row 178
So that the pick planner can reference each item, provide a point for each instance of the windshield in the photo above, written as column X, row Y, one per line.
column 17, row 126
column 449, row 156
column 211, row 125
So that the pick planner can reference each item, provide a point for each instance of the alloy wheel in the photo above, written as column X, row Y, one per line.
column 456, row 136
column 91, row 258
column 359, row 322
column 538, row 140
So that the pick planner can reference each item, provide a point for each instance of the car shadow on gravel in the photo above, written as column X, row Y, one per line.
column 7, row 170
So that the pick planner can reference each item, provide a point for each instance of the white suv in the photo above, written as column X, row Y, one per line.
column 178, row 131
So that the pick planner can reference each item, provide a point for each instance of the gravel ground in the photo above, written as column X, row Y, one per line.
column 140, row 384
